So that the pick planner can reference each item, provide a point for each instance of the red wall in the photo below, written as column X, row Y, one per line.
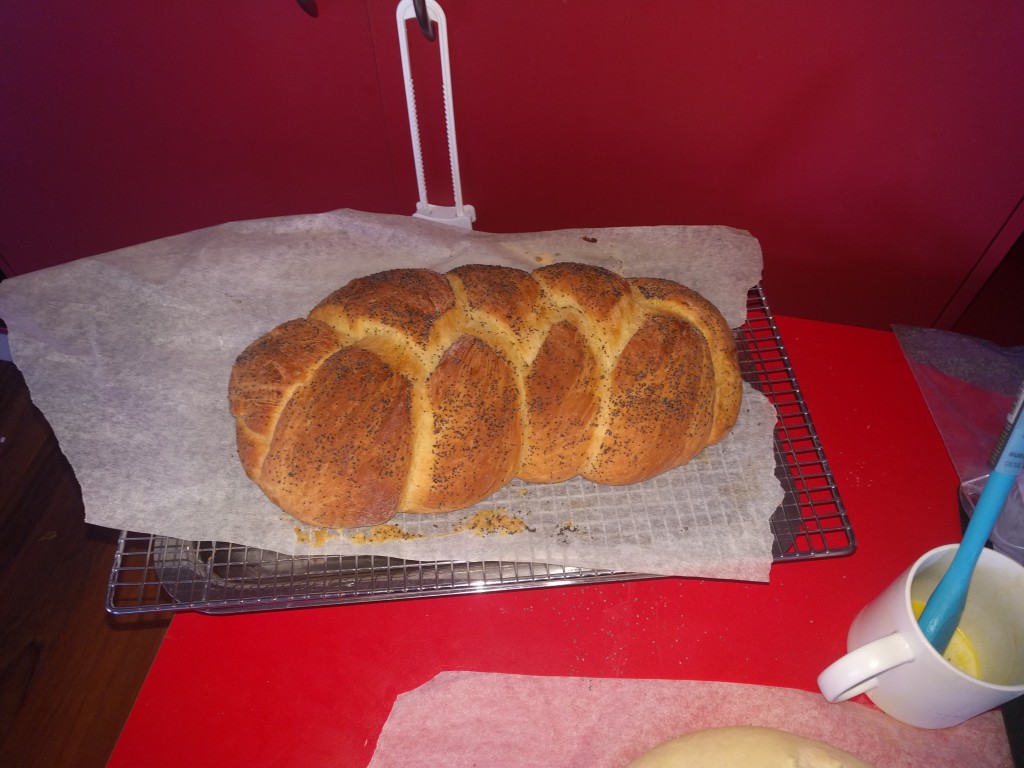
column 873, row 148
column 130, row 121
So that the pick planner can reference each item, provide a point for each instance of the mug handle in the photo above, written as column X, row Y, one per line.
column 857, row 672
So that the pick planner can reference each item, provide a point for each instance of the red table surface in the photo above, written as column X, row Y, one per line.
column 314, row 686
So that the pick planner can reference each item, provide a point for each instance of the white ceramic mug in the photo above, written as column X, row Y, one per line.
column 892, row 662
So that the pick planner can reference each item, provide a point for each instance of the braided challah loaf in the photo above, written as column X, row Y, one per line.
column 414, row 391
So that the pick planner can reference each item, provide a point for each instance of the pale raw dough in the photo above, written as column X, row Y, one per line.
column 745, row 747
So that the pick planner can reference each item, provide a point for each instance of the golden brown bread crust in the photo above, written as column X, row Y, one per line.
column 413, row 391
column 687, row 304
column 562, row 403
column 342, row 441
column 264, row 377
column 659, row 404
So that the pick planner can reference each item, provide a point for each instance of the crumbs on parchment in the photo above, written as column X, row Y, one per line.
column 315, row 536
column 563, row 530
column 379, row 534
column 490, row 521
column 567, row 527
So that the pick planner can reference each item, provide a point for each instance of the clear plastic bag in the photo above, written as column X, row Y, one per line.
column 970, row 386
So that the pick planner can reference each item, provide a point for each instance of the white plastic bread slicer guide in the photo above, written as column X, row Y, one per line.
column 427, row 13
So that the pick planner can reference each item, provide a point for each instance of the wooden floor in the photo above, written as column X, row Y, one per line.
column 69, row 672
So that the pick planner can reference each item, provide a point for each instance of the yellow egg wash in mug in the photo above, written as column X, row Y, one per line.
column 960, row 653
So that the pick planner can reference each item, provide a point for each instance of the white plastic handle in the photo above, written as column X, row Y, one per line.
column 462, row 214
column 857, row 672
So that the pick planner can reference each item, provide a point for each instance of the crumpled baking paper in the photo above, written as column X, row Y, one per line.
column 522, row 721
column 128, row 356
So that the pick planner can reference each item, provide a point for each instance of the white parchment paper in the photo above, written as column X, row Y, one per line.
column 522, row 721
column 128, row 356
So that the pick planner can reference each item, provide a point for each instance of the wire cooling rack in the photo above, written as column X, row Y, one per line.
column 155, row 573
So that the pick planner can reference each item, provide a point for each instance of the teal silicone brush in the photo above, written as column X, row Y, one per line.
column 942, row 612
